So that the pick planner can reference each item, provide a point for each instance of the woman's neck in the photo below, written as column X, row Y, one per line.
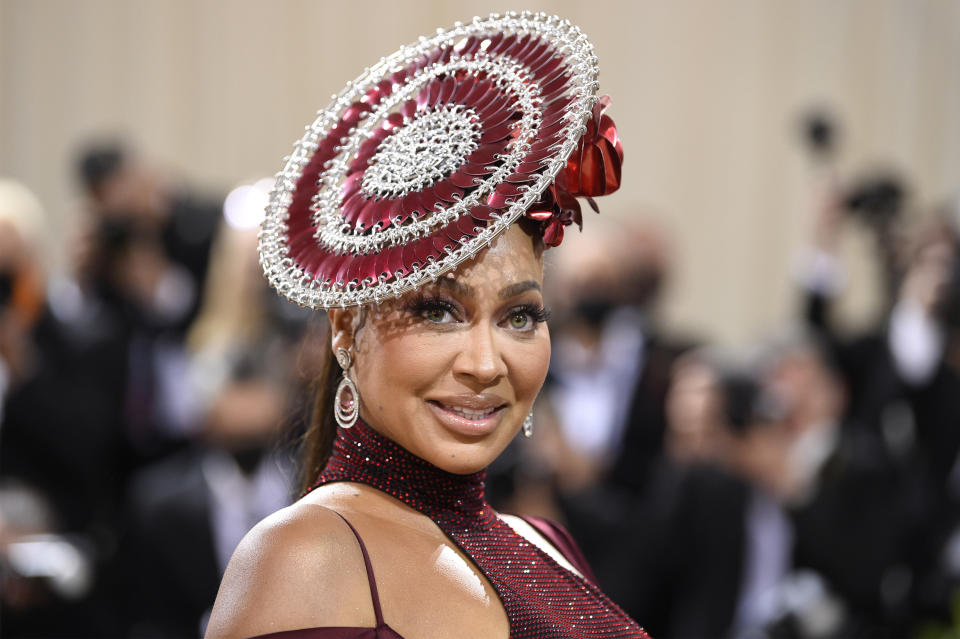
column 361, row 454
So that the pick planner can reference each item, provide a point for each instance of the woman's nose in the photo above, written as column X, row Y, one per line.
column 480, row 357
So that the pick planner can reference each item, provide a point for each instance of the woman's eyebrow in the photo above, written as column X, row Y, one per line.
column 520, row 287
column 458, row 287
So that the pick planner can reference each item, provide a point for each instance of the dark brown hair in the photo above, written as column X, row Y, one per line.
column 317, row 441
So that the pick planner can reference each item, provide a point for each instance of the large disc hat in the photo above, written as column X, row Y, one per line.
column 431, row 153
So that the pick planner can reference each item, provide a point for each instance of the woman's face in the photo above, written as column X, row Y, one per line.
column 450, row 371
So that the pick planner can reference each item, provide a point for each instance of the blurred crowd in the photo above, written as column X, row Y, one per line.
column 143, row 398
column 806, row 485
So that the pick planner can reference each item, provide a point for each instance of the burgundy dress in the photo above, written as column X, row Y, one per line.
column 542, row 599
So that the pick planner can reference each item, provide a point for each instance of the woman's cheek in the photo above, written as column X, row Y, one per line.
column 417, row 362
column 530, row 364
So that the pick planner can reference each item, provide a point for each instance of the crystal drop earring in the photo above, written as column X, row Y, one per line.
column 528, row 425
column 346, row 404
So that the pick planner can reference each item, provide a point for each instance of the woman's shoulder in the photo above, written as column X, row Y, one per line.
column 299, row 568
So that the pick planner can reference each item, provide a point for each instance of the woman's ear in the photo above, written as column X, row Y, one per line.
column 343, row 327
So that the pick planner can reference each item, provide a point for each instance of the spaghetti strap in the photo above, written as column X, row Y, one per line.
column 370, row 578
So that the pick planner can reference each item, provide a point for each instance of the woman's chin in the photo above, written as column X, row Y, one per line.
column 449, row 442
column 456, row 452
column 461, row 462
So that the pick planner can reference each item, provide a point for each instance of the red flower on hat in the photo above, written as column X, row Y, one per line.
column 593, row 169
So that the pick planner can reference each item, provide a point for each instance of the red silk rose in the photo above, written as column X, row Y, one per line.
column 593, row 169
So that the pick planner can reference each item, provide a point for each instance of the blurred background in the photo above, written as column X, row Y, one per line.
column 752, row 420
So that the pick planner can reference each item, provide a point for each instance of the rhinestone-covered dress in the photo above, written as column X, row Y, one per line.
column 542, row 599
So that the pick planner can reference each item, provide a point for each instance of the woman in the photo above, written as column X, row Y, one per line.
column 417, row 208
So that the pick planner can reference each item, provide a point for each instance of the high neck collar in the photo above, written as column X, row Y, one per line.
column 361, row 454
column 541, row 598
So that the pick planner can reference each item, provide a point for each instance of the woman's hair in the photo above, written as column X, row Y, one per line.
column 317, row 441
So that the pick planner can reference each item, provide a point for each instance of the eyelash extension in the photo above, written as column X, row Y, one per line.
column 537, row 313
column 423, row 303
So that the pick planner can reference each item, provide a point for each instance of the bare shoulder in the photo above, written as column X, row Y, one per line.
column 299, row 568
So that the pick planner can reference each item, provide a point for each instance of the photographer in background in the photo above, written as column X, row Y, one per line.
column 903, row 381
column 251, row 365
column 141, row 262
column 59, row 438
column 770, row 518
column 128, row 201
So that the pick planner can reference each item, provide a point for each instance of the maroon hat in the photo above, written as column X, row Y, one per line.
column 430, row 154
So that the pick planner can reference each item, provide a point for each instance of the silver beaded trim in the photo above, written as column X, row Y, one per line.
column 291, row 282
column 428, row 148
column 335, row 234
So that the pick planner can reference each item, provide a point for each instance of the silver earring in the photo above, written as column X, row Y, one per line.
column 528, row 425
column 346, row 404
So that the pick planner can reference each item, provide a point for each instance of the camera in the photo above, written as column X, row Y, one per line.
column 877, row 197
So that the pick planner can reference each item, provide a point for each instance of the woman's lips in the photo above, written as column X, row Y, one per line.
column 473, row 420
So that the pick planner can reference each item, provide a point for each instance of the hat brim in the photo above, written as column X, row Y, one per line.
column 426, row 158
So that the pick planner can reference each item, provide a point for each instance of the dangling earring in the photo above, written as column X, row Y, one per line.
column 346, row 404
column 528, row 425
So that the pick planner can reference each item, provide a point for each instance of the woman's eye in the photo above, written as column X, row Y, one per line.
column 526, row 317
column 519, row 320
column 434, row 310
column 435, row 314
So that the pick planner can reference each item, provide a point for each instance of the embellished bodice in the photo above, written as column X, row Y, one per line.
column 541, row 598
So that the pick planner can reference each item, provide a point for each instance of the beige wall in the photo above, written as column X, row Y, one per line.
column 705, row 95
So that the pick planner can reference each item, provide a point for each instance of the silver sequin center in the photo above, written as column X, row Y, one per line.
column 423, row 151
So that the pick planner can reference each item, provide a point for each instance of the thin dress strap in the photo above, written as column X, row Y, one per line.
column 373, row 582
